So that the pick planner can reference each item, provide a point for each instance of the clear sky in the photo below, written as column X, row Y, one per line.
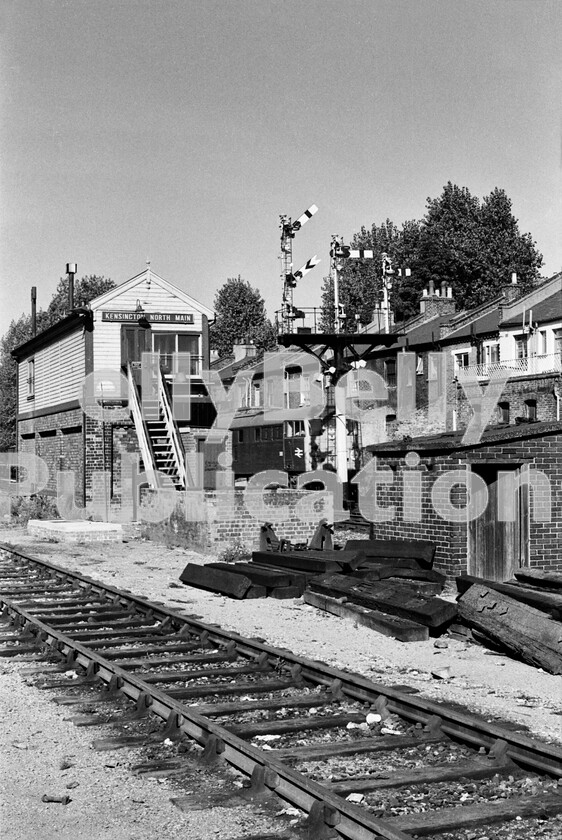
column 179, row 131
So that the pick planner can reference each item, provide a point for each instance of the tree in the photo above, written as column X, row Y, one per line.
column 240, row 317
column 360, row 281
column 470, row 244
column 21, row 330
column 85, row 290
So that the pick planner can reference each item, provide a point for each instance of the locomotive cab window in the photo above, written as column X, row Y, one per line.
column 294, row 428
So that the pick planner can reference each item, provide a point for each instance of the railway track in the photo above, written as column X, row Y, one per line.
column 361, row 760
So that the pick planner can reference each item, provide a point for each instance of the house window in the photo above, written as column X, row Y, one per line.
column 31, row 379
column 531, row 409
column 389, row 420
column 240, row 435
column 256, row 394
column 558, row 343
column 542, row 343
column 461, row 360
column 492, row 354
column 419, row 366
column 390, row 372
column 521, row 346
column 503, row 412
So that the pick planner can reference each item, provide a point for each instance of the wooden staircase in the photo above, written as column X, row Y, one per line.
column 159, row 438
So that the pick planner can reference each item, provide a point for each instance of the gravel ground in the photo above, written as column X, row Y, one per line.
column 109, row 802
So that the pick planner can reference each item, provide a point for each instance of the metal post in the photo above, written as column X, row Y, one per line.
column 34, row 310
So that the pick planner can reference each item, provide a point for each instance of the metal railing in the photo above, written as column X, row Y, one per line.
column 172, row 434
column 140, row 428
column 531, row 365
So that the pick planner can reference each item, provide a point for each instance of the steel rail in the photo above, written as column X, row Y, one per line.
column 349, row 821
column 526, row 751
column 287, row 783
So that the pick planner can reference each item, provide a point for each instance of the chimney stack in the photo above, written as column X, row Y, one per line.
column 244, row 351
column 437, row 302
column 511, row 291
column 71, row 271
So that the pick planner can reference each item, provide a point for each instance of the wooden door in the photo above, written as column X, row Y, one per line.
column 497, row 549
column 135, row 340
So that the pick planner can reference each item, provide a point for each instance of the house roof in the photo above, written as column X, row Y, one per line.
column 138, row 279
column 485, row 324
column 450, row 441
column 549, row 309
column 77, row 319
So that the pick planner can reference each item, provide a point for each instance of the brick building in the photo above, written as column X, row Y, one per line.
column 424, row 497
column 80, row 385
column 518, row 334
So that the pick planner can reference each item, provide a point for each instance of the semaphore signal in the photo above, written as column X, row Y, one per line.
column 289, row 278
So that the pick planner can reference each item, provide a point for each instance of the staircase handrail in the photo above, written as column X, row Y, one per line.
column 172, row 432
column 140, row 428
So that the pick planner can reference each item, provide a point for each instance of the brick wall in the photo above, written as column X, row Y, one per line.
column 516, row 392
column 294, row 514
column 451, row 538
column 58, row 440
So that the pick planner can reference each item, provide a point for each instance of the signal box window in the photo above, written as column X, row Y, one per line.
column 168, row 343
column 31, row 379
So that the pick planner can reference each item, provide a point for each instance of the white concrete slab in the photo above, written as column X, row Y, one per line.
column 75, row 530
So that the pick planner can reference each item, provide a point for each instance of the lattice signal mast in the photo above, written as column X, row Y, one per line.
column 289, row 279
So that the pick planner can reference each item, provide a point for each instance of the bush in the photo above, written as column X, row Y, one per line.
column 176, row 532
column 235, row 551
column 25, row 508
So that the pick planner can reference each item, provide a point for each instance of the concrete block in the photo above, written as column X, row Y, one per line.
column 75, row 530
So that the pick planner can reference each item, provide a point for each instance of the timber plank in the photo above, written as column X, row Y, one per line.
column 259, row 576
column 356, row 747
column 478, row 769
column 548, row 602
column 388, row 625
column 374, row 571
column 297, row 577
column 420, row 550
column 295, row 725
column 216, row 580
column 519, row 628
column 468, row 816
column 305, row 560
column 538, row 577
column 432, row 612
column 283, row 593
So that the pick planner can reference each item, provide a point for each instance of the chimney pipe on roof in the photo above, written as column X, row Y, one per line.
column 71, row 271
column 34, row 310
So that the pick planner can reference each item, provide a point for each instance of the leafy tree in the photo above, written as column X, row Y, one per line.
column 240, row 317
column 21, row 330
column 85, row 290
column 473, row 245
